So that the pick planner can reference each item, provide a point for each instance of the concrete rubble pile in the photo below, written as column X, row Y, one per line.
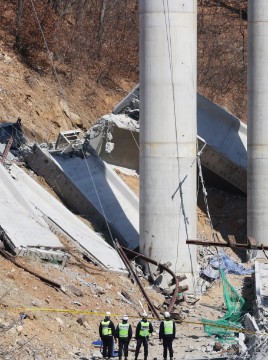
column 23, row 230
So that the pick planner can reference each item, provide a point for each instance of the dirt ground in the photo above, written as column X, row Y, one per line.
column 57, row 335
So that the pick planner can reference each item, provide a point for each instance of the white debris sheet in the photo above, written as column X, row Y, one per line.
column 23, row 229
column 47, row 205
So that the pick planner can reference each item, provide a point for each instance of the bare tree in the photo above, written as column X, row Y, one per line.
column 18, row 20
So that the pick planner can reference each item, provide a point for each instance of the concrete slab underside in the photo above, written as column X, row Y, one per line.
column 47, row 205
column 107, row 192
column 225, row 136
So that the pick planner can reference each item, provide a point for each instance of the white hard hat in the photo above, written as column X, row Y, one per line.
column 125, row 317
column 166, row 314
column 144, row 314
column 108, row 313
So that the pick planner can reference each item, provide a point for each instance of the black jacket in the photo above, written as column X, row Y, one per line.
column 111, row 326
column 139, row 328
column 129, row 332
column 162, row 333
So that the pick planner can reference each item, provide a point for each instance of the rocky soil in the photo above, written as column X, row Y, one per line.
column 46, row 333
column 38, row 100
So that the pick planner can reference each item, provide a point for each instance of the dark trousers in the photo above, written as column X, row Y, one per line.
column 167, row 345
column 143, row 341
column 107, row 342
column 123, row 346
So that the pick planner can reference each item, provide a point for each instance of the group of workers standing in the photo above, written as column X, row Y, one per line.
column 123, row 332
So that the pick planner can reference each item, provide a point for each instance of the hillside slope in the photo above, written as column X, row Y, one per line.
column 55, row 62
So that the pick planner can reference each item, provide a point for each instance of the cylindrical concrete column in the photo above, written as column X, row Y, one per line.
column 257, row 191
column 168, row 132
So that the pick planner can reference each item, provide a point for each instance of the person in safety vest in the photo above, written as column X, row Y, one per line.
column 107, row 333
column 167, row 332
column 143, row 330
column 124, row 333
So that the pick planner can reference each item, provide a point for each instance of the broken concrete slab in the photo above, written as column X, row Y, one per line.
column 123, row 132
column 20, row 227
column 49, row 255
column 250, row 323
column 90, row 186
column 261, row 286
column 224, row 135
column 64, row 220
column 107, row 192
column 222, row 131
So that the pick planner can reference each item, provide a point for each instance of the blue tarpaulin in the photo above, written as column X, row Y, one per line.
column 227, row 265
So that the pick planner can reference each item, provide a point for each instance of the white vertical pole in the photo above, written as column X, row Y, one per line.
column 168, row 52
column 257, row 191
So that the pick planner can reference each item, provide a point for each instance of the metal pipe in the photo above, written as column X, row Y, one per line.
column 7, row 148
column 42, row 278
column 151, row 306
column 221, row 244
column 176, row 290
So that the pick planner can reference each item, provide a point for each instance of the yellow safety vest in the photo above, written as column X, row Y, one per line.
column 144, row 331
column 105, row 328
column 168, row 327
column 123, row 330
